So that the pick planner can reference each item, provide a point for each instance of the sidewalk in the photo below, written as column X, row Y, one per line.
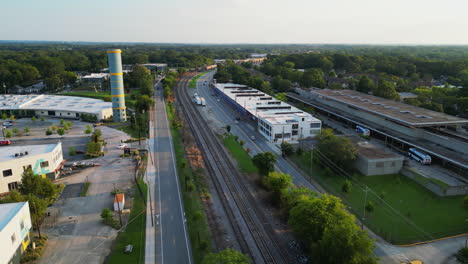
column 150, row 237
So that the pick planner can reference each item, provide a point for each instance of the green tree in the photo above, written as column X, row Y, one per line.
column 365, row 84
column 26, row 129
column 227, row 256
column 143, row 103
column 346, row 187
column 340, row 150
column 281, row 96
column 8, row 133
column 42, row 118
column 34, row 119
column 4, row 116
column 370, row 206
column 287, row 148
column 43, row 188
column 313, row 78
column 88, row 129
column 62, row 122
column 15, row 130
column 242, row 142
column 277, row 182
column 72, row 151
column 53, row 128
column 228, row 128
column 38, row 208
column 265, row 162
column 48, row 132
column 386, row 90
column 61, row 131
column 12, row 118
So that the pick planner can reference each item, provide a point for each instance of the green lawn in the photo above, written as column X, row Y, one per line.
column 200, row 236
column 193, row 81
column 134, row 233
column 240, row 154
column 418, row 214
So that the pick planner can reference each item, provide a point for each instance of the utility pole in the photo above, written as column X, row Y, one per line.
column 118, row 206
column 37, row 220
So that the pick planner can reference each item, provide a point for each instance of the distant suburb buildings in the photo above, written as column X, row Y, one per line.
column 56, row 105
column 44, row 160
column 15, row 226
column 277, row 120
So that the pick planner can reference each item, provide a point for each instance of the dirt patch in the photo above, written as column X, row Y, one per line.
column 71, row 191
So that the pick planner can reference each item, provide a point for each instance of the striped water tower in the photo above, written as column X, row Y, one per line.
column 117, row 86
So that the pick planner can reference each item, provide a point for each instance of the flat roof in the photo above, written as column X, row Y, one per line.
column 395, row 111
column 272, row 110
column 53, row 103
column 8, row 153
column 8, row 211
column 371, row 151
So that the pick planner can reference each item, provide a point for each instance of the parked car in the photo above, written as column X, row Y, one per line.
column 97, row 124
column 7, row 124
column 252, row 137
column 122, row 145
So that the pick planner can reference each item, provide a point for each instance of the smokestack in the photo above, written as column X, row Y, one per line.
column 117, row 86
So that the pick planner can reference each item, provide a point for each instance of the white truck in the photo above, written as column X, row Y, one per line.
column 198, row 100
column 203, row 101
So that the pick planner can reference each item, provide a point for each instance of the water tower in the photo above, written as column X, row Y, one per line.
column 117, row 86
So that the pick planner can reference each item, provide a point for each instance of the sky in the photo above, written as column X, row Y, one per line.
column 238, row 21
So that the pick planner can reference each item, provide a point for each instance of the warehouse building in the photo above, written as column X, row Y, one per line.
column 57, row 106
column 277, row 121
column 372, row 160
column 44, row 160
column 15, row 226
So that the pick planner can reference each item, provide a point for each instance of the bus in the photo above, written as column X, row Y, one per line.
column 419, row 156
column 362, row 131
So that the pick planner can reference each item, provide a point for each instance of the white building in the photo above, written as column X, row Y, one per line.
column 57, row 105
column 277, row 120
column 95, row 77
column 15, row 225
column 44, row 160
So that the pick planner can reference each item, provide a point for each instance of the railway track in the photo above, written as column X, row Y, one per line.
column 228, row 183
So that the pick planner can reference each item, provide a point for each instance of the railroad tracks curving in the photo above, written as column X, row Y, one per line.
column 229, row 183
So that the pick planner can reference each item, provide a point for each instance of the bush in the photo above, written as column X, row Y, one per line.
column 299, row 151
column 8, row 133
column 346, row 187
column 48, row 132
column 242, row 142
column 61, row 131
column 88, row 130
column 26, row 129
column 106, row 213
column 462, row 255
column 34, row 119
column 370, row 206
column 42, row 118
column 72, row 151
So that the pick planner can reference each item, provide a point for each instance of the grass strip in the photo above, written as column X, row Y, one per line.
column 84, row 192
column 193, row 81
column 244, row 161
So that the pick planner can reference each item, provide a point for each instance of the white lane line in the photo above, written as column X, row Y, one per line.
column 178, row 189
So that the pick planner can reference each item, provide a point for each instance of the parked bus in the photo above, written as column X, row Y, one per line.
column 362, row 131
column 419, row 156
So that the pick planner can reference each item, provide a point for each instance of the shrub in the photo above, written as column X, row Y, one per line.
column 48, row 132
column 242, row 142
column 370, row 206
column 61, row 131
column 62, row 122
column 34, row 119
column 26, row 129
column 42, row 118
column 106, row 213
column 8, row 133
column 88, row 130
column 462, row 255
column 346, row 187
column 72, row 151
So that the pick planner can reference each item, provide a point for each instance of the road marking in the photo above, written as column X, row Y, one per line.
column 177, row 185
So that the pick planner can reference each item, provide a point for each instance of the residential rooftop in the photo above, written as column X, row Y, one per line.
column 395, row 111
column 9, row 153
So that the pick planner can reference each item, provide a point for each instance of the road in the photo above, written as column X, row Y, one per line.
column 437, row 252
column 171, row 239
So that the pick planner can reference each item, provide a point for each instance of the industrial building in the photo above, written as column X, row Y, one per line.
column 44, row 160
column 56, row 105
column 277, row 121
column 372, row 160
column 400, row 125
column 15, row 227
column 119, row 112
column 95, row 77
column 159, row 67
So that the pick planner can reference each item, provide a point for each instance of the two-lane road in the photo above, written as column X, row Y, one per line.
column 172, row 241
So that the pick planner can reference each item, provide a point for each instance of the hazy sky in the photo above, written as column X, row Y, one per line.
column 238, row 21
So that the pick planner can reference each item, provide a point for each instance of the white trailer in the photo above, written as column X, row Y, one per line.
column 198, row 100
column 203, row 101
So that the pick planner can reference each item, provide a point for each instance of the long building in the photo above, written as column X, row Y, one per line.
column 56, row 105
column 439, row 135
column 15, row 227
column 44, row 160
column 277, row 121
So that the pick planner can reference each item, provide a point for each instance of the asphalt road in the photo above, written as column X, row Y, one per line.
column 172, row 241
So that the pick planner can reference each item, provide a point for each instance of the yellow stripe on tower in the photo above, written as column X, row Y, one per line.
column 118, row 95
column 116, row 73
column 119, row 108
column 114, row 51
